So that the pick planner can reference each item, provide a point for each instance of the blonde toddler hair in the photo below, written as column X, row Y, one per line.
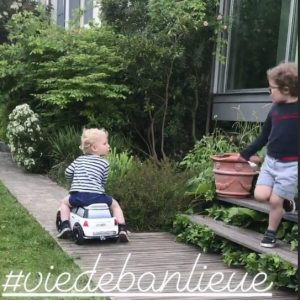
column 89, row 137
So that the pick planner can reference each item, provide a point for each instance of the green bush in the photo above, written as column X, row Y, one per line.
column 202, row 185
column 150, row 196
column 65, row 145
column 68, row 77
column 120, row 164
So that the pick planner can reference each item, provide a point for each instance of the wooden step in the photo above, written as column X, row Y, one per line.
column 247, row 238
column 258, row 206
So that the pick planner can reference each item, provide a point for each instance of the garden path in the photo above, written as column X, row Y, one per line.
column 150, row 252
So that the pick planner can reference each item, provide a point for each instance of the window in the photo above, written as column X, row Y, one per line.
column 258, row 41
column 99, row 213
column 74, row 5
column 61, row 13
column 80, row 212
column 67, row 10
column 294, row 50
column 294, row 46
column 88, row 14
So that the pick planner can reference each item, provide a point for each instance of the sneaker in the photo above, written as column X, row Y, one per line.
column 123, row 235
column 268, row 242
column 289, row 206
column 64, row 231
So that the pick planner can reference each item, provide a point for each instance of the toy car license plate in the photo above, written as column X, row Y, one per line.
column 104, row 233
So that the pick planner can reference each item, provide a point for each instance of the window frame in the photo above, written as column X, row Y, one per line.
column 220, row 71
column 293, row 34
column 62, row 11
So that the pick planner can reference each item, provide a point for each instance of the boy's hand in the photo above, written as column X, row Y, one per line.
column 252, row 161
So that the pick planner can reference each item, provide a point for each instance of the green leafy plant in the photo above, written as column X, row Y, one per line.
column 150, row 195
column 198, row 159
column 217, row 143
column 67, row 76
column 280, row 272
column 120, row 164
column 246, row 132
column 65, row 144
column 254, row 220
column 288, row 233
column 238, row 216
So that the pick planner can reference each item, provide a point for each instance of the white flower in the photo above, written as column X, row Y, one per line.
column 23, row 133
column 30, row 150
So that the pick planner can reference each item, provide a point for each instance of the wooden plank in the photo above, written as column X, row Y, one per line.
column 258, row 206
column 159, row 261
column 247, row 238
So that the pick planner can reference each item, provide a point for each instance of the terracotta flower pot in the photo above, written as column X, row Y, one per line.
column 233, row 175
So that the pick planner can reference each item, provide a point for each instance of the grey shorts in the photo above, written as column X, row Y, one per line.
column 282, row 177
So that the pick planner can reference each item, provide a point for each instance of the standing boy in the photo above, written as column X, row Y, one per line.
column 278, row 178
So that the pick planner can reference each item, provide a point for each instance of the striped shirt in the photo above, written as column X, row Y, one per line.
column 88, row 174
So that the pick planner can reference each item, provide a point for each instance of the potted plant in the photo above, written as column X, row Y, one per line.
column 233, row 175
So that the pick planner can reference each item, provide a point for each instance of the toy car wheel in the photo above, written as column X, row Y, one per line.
column 78, row 235
column 58, row 220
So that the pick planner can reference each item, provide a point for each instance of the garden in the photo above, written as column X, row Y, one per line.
column 144, row 79
column 144, row 76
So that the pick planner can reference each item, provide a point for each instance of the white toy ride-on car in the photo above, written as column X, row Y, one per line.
column 91, row 222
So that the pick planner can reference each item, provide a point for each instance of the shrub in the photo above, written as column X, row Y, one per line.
column 150, row 196
column 120, row 164
column 68, row 77
column 65, row 145
column 202, row 185
column 25, row 136
column 219, row 142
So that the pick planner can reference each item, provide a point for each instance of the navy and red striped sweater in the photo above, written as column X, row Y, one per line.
column 280, row 132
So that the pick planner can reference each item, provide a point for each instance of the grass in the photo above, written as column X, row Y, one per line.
column 26, row 246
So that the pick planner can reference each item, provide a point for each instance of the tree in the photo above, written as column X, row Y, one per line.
column 169, row 48
column 7, row 9
column 66, row 76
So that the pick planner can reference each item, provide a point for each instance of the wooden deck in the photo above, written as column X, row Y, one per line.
column 159, row 254
column 149, row 252
column 261, row 207
column 247, row 238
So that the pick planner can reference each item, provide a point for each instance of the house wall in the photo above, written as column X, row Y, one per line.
column 263, row 34
column 254, row 107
